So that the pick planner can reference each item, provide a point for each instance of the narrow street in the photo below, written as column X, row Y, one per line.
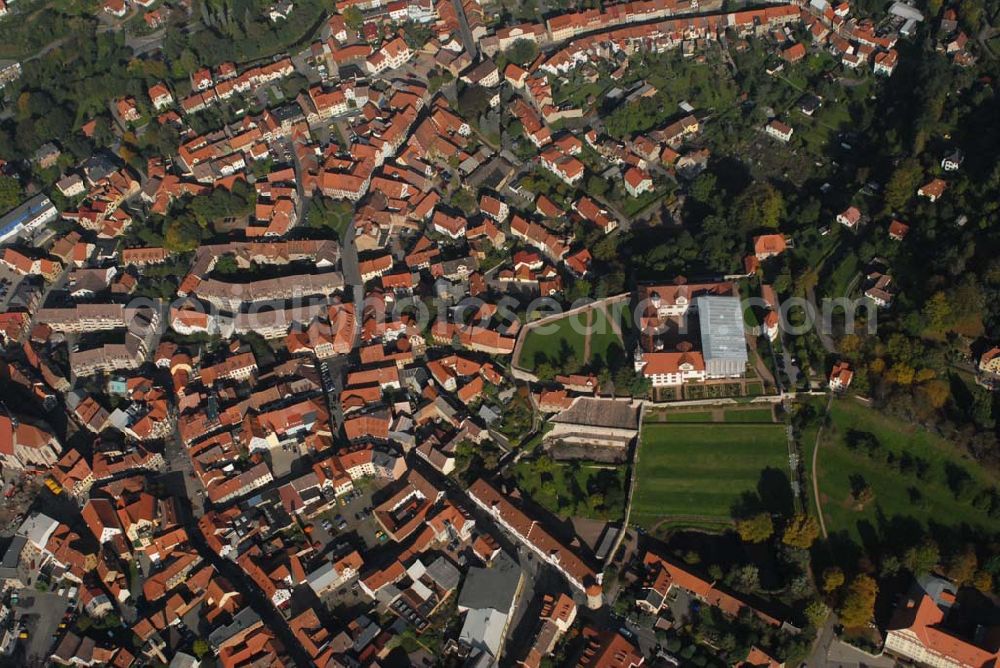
column 352, row 274
column 267, row 612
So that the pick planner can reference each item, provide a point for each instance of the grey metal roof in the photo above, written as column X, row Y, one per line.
column 722, row 333
column 492, row 587
column 444, row 574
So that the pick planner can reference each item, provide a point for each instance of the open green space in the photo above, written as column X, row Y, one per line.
column 840, row 278
column 562, row 343
column 864, row 447
column 573, row 489
column 686, row 416
column 750, row 415
column 697, row 472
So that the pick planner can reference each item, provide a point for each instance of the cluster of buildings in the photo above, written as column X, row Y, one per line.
column 691, row 332
column 290, row 375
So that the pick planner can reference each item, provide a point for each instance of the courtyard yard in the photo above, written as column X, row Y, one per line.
column 563, row 343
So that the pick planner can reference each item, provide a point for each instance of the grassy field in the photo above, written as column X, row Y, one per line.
column 699, row 472
column 687, row 416
column 750, row 415
column 841, row 277
column 731, row 415
column 564, row 348
column 896, row 494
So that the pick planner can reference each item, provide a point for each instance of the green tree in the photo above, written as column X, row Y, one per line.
column 745, row 578
column 10, row 193
column 522, row 52
column 858, row 607
column 596, row 185
column 755, row 529
column 921, row 559
column 200, row 647
column 474, row 100
column 816, row 612
column 902, row 184
column 182, row 234
column 760, row 205
column 353, row 18
column 704, row 188
column 937, row 311
column 970, row 13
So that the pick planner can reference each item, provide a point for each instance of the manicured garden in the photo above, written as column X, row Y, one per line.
column 700, row 471
column 563, row 343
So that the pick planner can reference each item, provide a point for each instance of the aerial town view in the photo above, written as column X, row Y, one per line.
column 514, row 333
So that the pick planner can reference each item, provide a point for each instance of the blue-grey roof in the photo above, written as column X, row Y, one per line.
column 25, row 212
column 722, row 333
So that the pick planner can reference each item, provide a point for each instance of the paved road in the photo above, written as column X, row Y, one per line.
column 821, row 646
column 352, row 272
column 842, row 655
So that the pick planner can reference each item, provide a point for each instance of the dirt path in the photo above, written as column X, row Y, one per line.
column 815, row 478
column 586, row 337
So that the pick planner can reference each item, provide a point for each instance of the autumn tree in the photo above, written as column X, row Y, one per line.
column 858, row 606
column 801, row 531
column 936, row 392
column 755, row 529
column 961, row 568
column 983, row 581
column 833, row 578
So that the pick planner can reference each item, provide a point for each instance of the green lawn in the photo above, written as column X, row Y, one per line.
column 896, row 494
column 750, row 415
column 563, row 344
column 698, row 471
column 840, row 278
column 688, row 416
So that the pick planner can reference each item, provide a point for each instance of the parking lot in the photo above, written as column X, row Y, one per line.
column 8, row 283
column 42, row 613
column 360, row 528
